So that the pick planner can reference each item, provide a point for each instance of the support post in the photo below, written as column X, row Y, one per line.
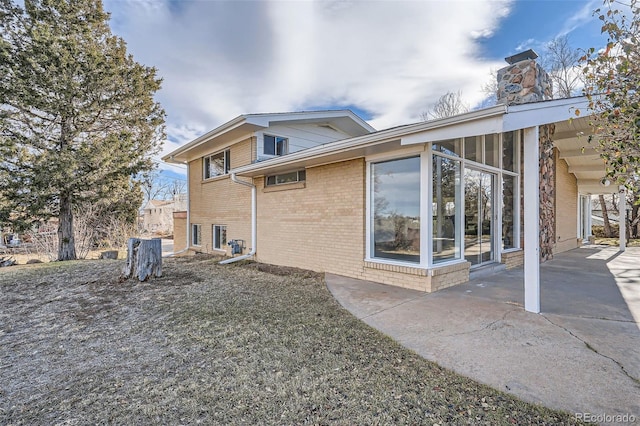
column 532, row 220
column 622, row 217
column 589, row 217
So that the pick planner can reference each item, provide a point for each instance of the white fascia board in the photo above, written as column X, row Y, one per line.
column 265, row 120
column 226, row 127
column 483, row 126
column 381, row 136
column 536, row 114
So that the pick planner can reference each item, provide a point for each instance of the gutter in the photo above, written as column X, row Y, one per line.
column 254, row 219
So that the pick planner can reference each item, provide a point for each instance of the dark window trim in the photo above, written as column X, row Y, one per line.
column 272, row 180
column 226, row 155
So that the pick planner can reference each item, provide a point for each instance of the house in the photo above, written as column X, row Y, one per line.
column 420, row 206
column 157, row 215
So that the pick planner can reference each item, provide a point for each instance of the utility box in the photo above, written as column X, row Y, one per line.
column 237, row 246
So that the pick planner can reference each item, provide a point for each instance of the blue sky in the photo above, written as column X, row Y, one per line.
column 389, row 61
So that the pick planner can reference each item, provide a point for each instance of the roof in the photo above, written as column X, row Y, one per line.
column 242, row 125
column 571, row 139
column 157, row 203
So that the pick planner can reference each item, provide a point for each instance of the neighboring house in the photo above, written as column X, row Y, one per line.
column 416, row 206
column 157, row 215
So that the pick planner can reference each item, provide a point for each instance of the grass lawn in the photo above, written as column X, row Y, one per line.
column 215, row 345
column 616, row 241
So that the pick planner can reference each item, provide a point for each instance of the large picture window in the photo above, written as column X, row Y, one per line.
column 395, row 209
column 447, row 200
column 217, row 164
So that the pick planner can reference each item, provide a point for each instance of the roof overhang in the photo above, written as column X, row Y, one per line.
column 570, row 117
column 244, row 126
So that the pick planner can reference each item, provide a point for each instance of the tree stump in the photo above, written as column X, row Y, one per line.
column 144, row 258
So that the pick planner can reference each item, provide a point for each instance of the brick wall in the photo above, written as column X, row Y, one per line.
column 179, row 231
column 566, row 216
column 512, row 259
column 318, row 225
column 219, row 201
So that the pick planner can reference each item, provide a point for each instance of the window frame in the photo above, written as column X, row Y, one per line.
column 226, row 158
column 215, row 229
column 277, row 140
column 196, row 236
column 370, row 211
column 301, row 176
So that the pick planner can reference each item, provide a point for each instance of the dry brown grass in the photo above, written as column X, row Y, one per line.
column 215, row 345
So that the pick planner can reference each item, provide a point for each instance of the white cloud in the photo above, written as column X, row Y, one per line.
column 583, row 16
column 220, row 59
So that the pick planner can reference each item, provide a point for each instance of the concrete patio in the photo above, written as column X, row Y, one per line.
column 581, row 354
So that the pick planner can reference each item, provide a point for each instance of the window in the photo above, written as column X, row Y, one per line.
column 291, row 177
column 482, row 149
column 275, row 145
column 217, row 164
column 196, row 234
column 447, row 199
column 219, row 236
column 395, row 210
column 509, row 151
column 450, row 147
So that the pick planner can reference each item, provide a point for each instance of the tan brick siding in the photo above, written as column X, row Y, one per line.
column 243, row 153
column 566, row 205
column 219, row 201
column 179, row 231
column 512, row 259
column 318, row 227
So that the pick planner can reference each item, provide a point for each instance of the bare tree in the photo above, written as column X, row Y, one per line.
column 561, row 61
column 490, row 88
column 447, row 105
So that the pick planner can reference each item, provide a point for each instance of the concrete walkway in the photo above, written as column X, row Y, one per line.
column 581, row 355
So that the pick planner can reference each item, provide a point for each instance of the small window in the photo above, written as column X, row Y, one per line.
column 196, row 234
column 275, row 145
column 291, row 177
column 219, row 236
column 217, row 164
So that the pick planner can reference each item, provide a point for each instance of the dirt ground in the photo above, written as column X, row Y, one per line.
column 248, row 344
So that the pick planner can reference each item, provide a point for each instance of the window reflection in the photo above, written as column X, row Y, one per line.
column 395, row 205
column 446, row 202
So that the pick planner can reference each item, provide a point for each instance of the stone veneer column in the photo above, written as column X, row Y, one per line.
column 525, row 81
column 547, row 192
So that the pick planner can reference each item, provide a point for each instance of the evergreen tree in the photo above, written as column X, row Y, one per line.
column 77, row 114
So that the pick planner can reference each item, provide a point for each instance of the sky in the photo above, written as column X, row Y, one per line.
column 388, row 61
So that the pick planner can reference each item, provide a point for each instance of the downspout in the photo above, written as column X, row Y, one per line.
column 188, row 217
column 254, row 219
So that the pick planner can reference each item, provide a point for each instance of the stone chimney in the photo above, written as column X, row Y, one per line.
column 523, row 80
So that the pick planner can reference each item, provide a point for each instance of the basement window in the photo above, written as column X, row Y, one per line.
column 219, row 236
column 284, row 178
column 196, row 234
column 275, row 145
column 217, row 164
